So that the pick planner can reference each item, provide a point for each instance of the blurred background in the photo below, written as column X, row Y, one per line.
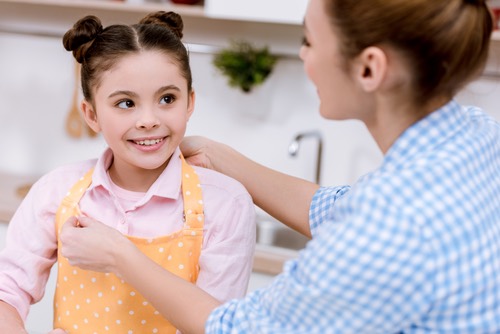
column 276, row 124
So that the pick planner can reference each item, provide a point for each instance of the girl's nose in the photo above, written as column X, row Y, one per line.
column 148, row 120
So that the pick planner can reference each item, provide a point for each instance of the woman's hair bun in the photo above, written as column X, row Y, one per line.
column 171, row 20
column 79, row 38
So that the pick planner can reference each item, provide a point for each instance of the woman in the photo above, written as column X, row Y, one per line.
column 411, row 247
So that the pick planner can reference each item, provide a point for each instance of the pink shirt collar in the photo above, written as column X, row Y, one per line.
column 168, row 184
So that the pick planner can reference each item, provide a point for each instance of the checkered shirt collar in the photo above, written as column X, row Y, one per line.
column 425, row 134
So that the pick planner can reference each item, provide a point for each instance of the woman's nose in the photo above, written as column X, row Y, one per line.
column 148, row 120
column 302, row 52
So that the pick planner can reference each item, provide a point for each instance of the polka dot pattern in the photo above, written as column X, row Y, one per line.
column 90, row 302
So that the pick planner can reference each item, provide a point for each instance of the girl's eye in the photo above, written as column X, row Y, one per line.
column 125, row 104
column 167, row 99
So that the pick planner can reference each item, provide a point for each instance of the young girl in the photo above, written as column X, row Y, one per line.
column 412, row 247
column 194, row 222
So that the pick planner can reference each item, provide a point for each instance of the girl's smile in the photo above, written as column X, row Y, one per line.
column 148, row 144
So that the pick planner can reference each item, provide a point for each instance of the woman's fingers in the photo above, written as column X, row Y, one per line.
column 194, row 150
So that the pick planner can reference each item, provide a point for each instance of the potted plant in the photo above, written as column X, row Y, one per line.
column 245, row 65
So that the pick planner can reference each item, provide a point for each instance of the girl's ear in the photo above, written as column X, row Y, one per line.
column 90, row 116
column 371, row 68
column 190, row 107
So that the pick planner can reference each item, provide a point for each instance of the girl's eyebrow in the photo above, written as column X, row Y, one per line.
column 133, row 94
column 122, row 92
column 168, row 87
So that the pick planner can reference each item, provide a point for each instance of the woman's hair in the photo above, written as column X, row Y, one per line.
column 98, row 49
column 445, row 42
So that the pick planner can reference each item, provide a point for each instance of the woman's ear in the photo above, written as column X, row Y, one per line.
column 371, row 68
column 90, row 116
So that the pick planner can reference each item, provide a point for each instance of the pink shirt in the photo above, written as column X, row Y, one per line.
column 229, row 230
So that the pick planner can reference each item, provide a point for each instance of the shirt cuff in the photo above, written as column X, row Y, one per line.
column 220, row 319
column 322, row 204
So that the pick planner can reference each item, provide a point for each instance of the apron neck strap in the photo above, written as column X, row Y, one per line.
column 192, row 196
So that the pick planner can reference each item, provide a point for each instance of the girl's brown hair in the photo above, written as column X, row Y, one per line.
column 98, row 48
column 445, row 42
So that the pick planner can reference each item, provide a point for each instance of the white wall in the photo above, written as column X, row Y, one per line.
column 36, row 85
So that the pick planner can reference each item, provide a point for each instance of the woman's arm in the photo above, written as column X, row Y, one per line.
column 95, row 246
column 284, row 197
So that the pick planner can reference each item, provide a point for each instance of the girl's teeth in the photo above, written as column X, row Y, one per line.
column 149, row 142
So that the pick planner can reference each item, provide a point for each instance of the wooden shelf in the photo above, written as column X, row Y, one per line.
column 52, row 18
column 117, row 6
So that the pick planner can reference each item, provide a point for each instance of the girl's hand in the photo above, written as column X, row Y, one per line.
column 195, row 151
column 91, row 245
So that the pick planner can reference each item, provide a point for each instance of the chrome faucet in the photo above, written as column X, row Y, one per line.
column 294, row 146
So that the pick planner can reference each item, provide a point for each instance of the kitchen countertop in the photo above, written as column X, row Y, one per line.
column 269, row 259
column 13, row 188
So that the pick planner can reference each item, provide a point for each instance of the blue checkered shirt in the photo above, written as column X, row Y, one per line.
column 413, row 247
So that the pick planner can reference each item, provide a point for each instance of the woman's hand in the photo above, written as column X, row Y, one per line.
column 195, row 151
column 91, row 245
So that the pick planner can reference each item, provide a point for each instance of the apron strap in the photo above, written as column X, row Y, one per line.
column 191, row 193
column 69, row 205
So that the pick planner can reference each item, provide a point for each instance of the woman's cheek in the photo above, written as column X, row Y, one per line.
column 308, row 69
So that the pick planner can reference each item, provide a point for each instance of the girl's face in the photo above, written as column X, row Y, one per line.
column 325, row 67
column 141, row 107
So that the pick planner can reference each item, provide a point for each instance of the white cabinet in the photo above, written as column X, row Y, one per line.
column 280, row 11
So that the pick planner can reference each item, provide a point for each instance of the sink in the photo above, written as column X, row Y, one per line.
column 271, row 232
column 287, row 238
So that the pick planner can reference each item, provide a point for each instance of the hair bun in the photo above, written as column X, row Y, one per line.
column 80, row 37
column 171, row 20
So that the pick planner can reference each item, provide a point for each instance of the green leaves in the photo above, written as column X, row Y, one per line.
column 244, row 65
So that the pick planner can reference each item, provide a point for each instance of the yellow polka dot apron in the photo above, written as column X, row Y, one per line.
column 89, row 302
